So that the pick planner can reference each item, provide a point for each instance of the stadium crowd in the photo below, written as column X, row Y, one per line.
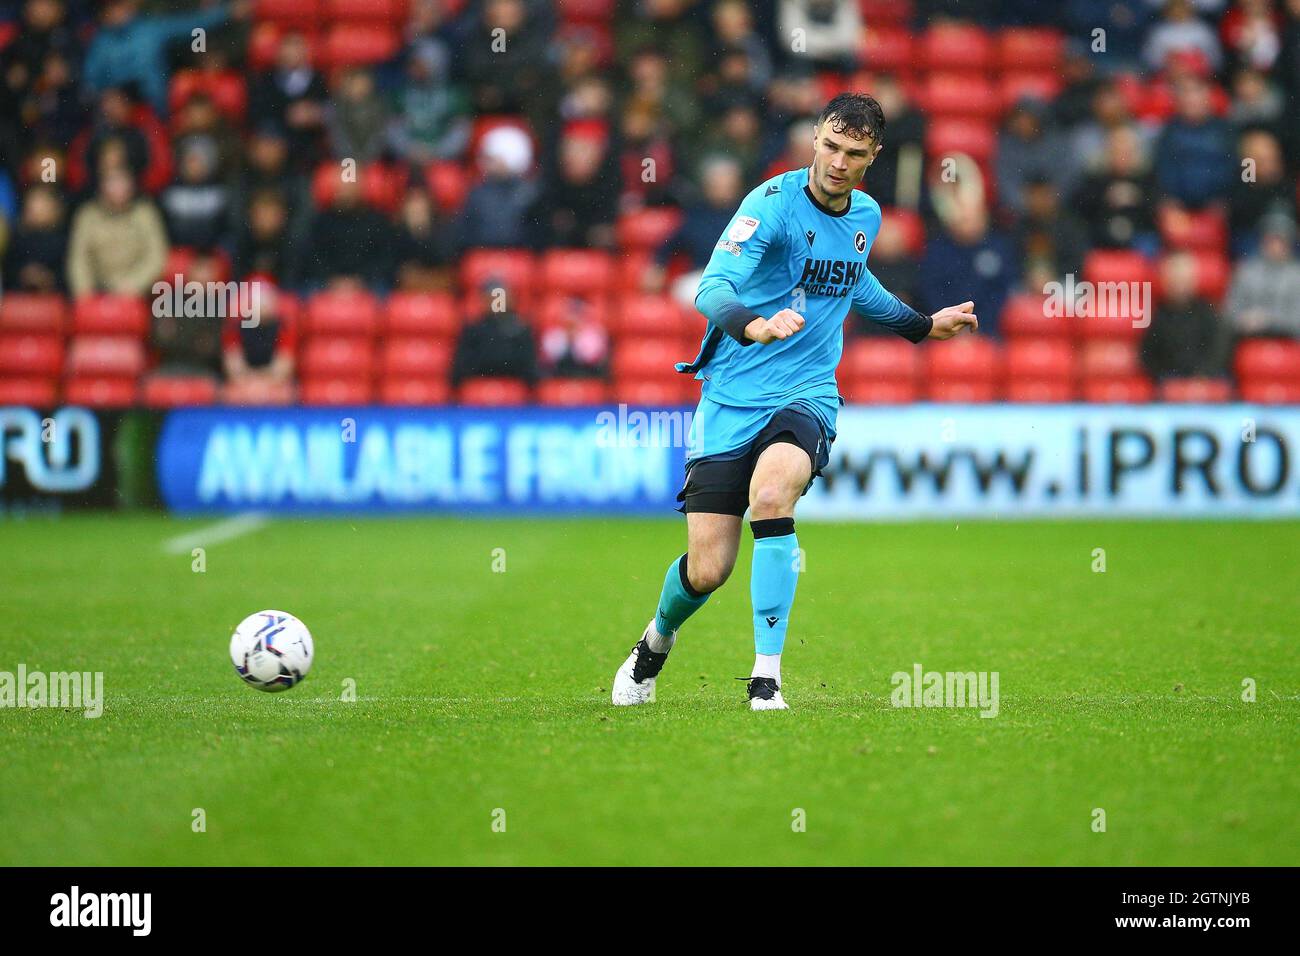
column 510, row 200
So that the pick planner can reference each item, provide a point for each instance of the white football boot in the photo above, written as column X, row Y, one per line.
column 635, row 681
column 765, row 694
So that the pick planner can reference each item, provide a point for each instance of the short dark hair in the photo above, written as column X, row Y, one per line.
column 857, row 114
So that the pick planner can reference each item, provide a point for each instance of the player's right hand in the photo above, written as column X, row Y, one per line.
column 780, row 326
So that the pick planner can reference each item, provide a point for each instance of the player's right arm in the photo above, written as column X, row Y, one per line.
column 755, row 228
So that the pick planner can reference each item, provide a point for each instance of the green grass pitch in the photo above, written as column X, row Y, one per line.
column 478, row 690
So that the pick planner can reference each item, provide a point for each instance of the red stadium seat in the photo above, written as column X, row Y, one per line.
column 342, row 314
column 31, row 356
column 1206, row 230
column 101, row 356
column 652, row 316
column 1014, row 87
column 496, row 392
column 1039, row 360
column 642, row 359
column 1123, row 285
column 514, row 268
column 952, row 136
column 630, row 267
column 1029, row 48
column 414, row 391
column 299, row 14
column 911, row 224
column 225, row 88
column 956, row 46
column 448, row 183
column 1268, row 360
column 867, row 391
column 335, row 391
column 887, row 48
column 415, row 358
column 1110, row 265
column 961, row 392
column 557, row 309
column 421, row 313
column 1111, row 358
column 111, row 314
column 101, row 392
column 1195, row 390
column 176, row 391
column 586, row 11
column 1271, row 393
column 880, row 359
column 577, row 271
column 655, row 392
column 885, row 11
column 960, row 95
column 967, row 359
column 1213, row 273
column 359, row 44
column 28, row 312
column 647, row 228
column 573, row 391
column 364, row 11
column 256, row 391
column 1040, row 391
column 37, row 392
column 1134, row 390
column 381, row 186
column 264, row 42
column 329, row 357
column 1025, row 316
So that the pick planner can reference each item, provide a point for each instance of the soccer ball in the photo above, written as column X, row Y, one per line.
column 271, row 650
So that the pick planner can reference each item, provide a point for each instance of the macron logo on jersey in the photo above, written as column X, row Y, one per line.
column 830, row 277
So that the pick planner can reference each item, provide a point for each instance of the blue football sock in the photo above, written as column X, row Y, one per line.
column 772, row 582
column 678, row 601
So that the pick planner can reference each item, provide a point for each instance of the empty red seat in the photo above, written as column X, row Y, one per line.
column 885, row 11
column 585, row 11
column 1274, row 360
column 27, row 312
column 887, row 48
column 421, row 313
column 652, row 316
column 868, row 391
column 655, row 392
column 101, row 392
column 579, row 271
column 381, row 186
column 493, row 392
column 573, row 391
column 646, row 359
column 1204, row 230
column 335, row 391
column 31, row 356
column 951, row 136
column 1040, row 391
column 1111, row 358
column 448, row 182
column 1133, row 390
column 880, row 359
column 961, row 95
column 1025, row 316
column 1039, row 360
column 909, row 222
column 1195, row 390
column 647, row 228
column 225, row 88
column 359, row 44
column 414, row 391
column 102, row 356
column 110, row 314
column 515, row 269
column 363, row 11
column 965, row 359
column 175, row 391
column 956, row 46
column 1029, row 48
column 415, row 357
column 961, row 392
column 344, row 313
column 1117, row 265
column 256, row 391
column 28, row 391
column 301, row 14
column 341, row 357
column 1271, row 392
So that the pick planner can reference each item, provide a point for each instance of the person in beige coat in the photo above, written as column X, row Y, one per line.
column 118, row 243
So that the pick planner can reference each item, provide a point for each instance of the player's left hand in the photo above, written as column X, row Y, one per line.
column 948, row 322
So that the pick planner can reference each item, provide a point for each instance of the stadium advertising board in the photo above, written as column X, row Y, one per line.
column 1020, row 460
column 887, row 463
column 461, row 460
column 52, row 458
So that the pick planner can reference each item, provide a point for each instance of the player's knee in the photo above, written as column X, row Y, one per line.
column 708, row 572
column 771, row 499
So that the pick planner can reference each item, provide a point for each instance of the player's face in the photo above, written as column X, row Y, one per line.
column 840, row 160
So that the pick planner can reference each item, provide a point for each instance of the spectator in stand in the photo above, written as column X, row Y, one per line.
column 293, row 97
column 1029, row 148
column 578, row 206
column 1194, row 156
column 191, row 344
column 268, row 167
column 1074, row 104
column 38, row 247
column 1180, row 29
column 1288, row 74
column 1124, row 26
column 1256, row 102
column 733, row 30
column 351, row 244
column 1187, row 337
column 830, row 31
column 897, row 269
column 655, row 86
column 1117, row 201
column 578, row 347
column 430, row 114
column 114, row 131
column 358, row 118
column 704, row 220
column 258, row 357
column 1047, row 235
column 493, row 214
column 118, row 243
column 197, row 206
column 200, row 116
column 645, row 137
column 676, row 27
column 264, row 247
column 510, row 71
column 969, row 260
column 1089, row 140
column 129, row 48
column 1251, row 34
column 497, row 344
column 38, row 78
column 1264, row 299
column 426, row 247
column 735, row 129
column 896, row 177
column 1262, row 188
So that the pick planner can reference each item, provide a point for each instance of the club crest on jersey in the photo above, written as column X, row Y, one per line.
column 742, row 228
column 860, row 241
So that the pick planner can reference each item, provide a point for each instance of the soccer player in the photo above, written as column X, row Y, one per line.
column 776, row 291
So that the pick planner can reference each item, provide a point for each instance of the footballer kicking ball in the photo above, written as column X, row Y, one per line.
column 271, row 650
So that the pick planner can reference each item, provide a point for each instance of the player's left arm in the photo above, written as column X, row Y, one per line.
column 877, row 303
